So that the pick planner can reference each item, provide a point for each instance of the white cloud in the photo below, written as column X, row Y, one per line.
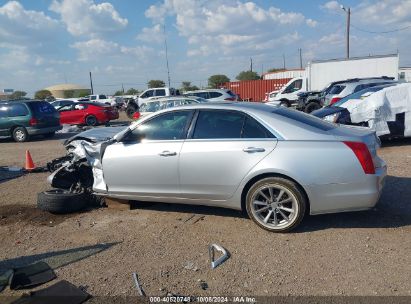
column 331, row 6
column 20, row 26
column 389, row 12
column 85, row 18
column 151, row 34
column 311, row 22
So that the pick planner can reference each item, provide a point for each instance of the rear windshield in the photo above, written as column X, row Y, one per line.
column 41, row 107
column 304, row 118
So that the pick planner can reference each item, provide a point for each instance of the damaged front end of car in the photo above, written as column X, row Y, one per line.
column 81, row 169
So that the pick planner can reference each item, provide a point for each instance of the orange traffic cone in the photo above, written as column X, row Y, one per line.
column 29, row 162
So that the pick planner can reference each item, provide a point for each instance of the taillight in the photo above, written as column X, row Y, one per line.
column 230, row 99
column 33, row 122
column 334, row 100
column 363, row 155
column 136, row 115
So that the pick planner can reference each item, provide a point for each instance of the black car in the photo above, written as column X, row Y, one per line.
column 25, row 118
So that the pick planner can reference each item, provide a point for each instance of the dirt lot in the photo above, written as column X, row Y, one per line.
column 364, row 253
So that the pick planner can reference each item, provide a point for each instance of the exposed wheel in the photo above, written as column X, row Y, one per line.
column 91, row 120
column 49, row 135
column 61, row 201
column 276, row 204
column 130, row 110
column 312, row 106
column 20, row 134
column 284, row 103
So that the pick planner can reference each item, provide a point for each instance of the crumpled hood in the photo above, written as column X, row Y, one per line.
column 97, row 134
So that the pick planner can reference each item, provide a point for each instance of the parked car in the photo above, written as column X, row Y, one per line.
column 23, row 119
column 244, row 156
column 155, row 105
column 102, row 99
column 214, row 94
column 381, row 108
column 61, row 102
column 87, row 113
column 341, row 90
column 133, row 104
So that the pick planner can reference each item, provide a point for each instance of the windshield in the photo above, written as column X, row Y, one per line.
column 359, row 95
column 150, row 106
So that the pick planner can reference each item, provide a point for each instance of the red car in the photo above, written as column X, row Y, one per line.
column 87, row 113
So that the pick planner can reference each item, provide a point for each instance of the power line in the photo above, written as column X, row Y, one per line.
column 381, row 32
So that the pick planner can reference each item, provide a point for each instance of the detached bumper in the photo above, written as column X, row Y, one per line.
column 40, row 131
column 340, row 197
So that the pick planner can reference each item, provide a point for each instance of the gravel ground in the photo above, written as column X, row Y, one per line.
column 363, row 253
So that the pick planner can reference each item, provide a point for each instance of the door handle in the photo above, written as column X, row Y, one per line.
column 168, row 153
column 253, row 150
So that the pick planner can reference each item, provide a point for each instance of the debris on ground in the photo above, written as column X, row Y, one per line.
column 211, row 251
column 203, row 285
column 138, row 287
column 190, row 266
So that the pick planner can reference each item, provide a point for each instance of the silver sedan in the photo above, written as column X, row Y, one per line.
column 275, row 163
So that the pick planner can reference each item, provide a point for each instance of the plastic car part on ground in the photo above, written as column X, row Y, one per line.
column 384, row 106
column 211, row 251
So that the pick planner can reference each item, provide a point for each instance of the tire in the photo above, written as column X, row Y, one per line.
column 61, row 201
column 130, row 110
column 284, row 103
column 20, row 134
column 281, row 219
column 312, row 106
column 91, row 120
column 49, row 135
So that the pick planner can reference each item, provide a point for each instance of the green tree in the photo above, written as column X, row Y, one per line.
column 215, row 80
column 68, row 94
column 186, row 86
column 156, row 84
column 247, row 75
column 84, row 93
column 17, row 94
column 273, row 70
column 132, row 91
column 43, row 94
column 118, row 93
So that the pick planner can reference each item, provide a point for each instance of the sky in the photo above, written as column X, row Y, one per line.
column 48, row 42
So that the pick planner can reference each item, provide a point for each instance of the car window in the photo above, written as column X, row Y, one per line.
column 304, row 118
column 202, row 95
column 253, row 129
column 231, row 93
column 149, row 93
column 102, row 96
column 337, row 89
column 65, row 108
column 218, row 124
column 41, row 107
column 93, row 97
column 294, row 86
column 161, row 92
column 215, row 94
column 361, row 87
column 150, row 106
column 167, row 126
column 18, row 109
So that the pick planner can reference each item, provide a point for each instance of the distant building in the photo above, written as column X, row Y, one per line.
column 68, row 90
column 5, row 93
column 404, row 74
column 284, row 74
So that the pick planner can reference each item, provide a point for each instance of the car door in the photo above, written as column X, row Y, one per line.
column 5, row 121
column 219, row 152
column 145, row 162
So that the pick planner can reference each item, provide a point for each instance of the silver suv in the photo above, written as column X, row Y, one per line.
column 214, row 94
column 344, row 89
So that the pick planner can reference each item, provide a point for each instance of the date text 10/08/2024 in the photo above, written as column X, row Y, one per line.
column 186, row 299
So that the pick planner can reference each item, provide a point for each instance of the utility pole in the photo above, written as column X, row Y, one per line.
column 251, row 64
column 165, row 44
column 301, row 58
column 91, row 84
column 122, row 86
column 348, row 11
column 283, row 61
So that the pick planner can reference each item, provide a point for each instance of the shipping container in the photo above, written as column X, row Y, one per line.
column 255, row 90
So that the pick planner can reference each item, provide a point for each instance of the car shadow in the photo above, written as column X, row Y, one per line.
column 37, row 138
column 393, row 210
column 56, row 259
column 395, row 142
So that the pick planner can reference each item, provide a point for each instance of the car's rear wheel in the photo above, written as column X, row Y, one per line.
column 130, row 110
column 276, row 204
column 20, row 134
column 91, row 120
column 284, row 103
column 312, row 106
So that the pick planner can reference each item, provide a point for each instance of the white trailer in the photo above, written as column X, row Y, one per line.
column 322, row 72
